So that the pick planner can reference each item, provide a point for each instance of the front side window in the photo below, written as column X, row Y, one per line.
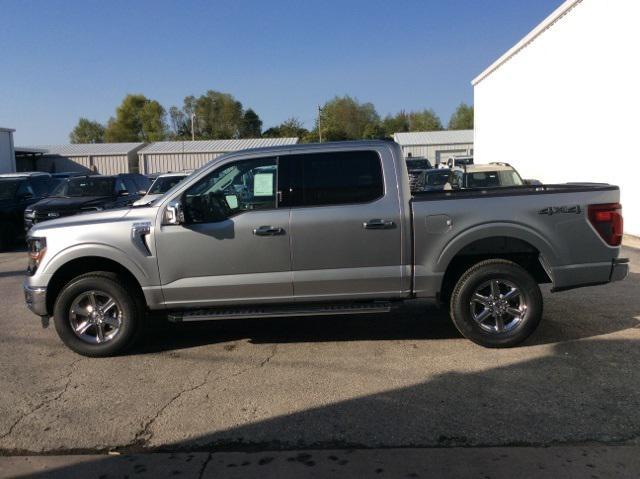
column 335, row 178
column 233, row 188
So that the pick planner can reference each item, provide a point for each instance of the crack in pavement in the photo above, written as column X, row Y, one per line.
column 46, row 401
column 144, row 436
column 204, row 465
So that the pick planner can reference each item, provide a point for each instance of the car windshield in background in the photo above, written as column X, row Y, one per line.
column 436, row 178
column 8, row 189
column 418, row 164
column 162, row 185
column 78, row 187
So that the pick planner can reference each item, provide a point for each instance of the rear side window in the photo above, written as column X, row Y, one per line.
column 41, row 186
column 335, row 178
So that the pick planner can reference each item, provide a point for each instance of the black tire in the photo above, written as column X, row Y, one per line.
column 503, row 334
column 131, row 315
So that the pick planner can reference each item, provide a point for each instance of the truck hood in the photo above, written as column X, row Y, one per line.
column 65, row 205
column 84, row 219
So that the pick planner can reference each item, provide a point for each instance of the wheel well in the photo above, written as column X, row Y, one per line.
column 499, row 247
column 80, row 266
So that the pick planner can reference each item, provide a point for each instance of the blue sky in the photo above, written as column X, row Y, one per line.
column 62, row 59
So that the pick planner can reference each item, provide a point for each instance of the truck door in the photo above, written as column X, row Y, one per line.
column 234, row 244
column 345, row 226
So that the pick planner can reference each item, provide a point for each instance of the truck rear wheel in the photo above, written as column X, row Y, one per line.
column 96, row 316
column 496, row 303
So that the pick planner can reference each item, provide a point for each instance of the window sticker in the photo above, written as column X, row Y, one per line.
column 263, row 184
column 232, row 201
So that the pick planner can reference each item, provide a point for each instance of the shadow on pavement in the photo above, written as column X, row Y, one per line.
column 579, row 314
column 578, row 392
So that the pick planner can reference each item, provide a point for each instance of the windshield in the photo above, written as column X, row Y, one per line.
column 8, row 189
column 436, row 178
column 78, row 187
column 418, row 164
column 164, row 184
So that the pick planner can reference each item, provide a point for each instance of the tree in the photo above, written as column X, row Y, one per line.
column 425, row 120
column 137, row 119
column 218, row 115
column 462, row 118
column 345, row 118
column 87, row 131
column 290, row 128
column 251, row 125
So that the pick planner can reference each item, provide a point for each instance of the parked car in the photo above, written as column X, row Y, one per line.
column 305, row 240
column 161, row 185
column 491, row 175
column 17, row 192
column 82, row 194
column 431, row 180
column 415, row 167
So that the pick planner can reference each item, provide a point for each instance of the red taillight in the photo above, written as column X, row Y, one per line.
column 607, row 220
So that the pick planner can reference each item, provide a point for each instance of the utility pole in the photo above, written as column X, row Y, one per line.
column 193, row 132
column 319, row 124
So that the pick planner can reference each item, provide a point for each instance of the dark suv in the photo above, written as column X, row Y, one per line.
column 17, row 192
column 87, row 193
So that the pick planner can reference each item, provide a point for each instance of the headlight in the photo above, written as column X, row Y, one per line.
column 37, row 247
column 29, row 214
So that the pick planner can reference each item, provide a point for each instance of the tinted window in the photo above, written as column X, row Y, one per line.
column 41, row 186
column 130, row 185
column 141, row 181
column 233, row 188
column 338, row 178
column 91, row 186
column 483, row 179
column 8, row 189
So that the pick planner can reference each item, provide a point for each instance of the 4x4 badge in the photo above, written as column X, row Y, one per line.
column 554, row 210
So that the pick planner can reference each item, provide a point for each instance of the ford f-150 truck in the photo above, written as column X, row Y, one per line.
column 321, row 229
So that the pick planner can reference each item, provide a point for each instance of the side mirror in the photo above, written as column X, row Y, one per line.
column 142, row 192
column 532, row 182
column 173, row 213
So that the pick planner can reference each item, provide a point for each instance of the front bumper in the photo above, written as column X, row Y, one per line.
column 36, row 300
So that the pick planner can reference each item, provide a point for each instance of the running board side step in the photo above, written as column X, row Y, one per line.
column 278, row 311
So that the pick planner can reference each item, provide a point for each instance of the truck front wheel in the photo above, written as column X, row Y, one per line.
column 96, row 316
column 496, row 303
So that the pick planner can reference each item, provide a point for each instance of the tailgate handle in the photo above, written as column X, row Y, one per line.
column 268, row 231
column 378, row 224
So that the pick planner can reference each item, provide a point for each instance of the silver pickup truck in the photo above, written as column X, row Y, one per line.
column 320, row 229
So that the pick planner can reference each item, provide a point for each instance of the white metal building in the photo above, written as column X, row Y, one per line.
column 562, row 104
column 164, row 156
column 7, row 154
column 104, row 158
column 436, row 146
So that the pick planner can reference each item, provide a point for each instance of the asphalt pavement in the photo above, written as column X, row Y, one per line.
column 327, row 386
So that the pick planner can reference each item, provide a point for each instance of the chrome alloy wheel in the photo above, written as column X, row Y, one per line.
column 95, row 317
column 498, row 306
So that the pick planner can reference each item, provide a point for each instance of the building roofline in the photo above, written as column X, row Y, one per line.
column 9, row 130
column 547, row 23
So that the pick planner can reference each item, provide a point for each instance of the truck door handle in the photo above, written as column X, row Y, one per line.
column 268, row 231
column 378, row 224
